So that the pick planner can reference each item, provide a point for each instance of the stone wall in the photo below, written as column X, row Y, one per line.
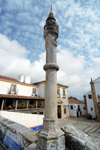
column 15, row 136
column 78, row 140
column 18, row 137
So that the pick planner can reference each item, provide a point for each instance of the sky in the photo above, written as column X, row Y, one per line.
column 22, row 44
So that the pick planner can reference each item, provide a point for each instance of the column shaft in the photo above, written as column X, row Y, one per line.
column 27, row 103
column 2, row 104
column 16, row 104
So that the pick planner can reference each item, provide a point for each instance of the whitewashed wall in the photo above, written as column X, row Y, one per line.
column 28, row 120
column 4, row 87
column 90, row 104
column 22, row 89
column 72, row 112
column 97, row 87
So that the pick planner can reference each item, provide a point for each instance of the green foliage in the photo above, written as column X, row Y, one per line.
column 67, row 148
column 41, row 104
column 22, row 104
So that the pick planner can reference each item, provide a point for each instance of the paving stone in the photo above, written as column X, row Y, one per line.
column 84, row 125
column 90, row 127
column 94, row 129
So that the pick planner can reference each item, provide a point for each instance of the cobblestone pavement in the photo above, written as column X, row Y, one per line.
column 90, row 127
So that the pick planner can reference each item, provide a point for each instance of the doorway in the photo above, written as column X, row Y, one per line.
column 59, row 111
column 77, row 114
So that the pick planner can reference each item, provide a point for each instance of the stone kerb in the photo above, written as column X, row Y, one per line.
column 15, row 136
column 78, row 140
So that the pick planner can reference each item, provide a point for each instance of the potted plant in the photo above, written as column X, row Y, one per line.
column 22, row 104
column 32, row 106
column 41, row 105
column 9, row 107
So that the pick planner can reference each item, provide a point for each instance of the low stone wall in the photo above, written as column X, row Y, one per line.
column 28, row 120
column 15, row 136
column 19, row 137
column 78, row 140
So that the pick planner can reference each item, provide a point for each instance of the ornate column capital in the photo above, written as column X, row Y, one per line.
column 51, row 26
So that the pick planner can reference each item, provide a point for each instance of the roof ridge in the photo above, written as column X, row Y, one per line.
column 8, row 78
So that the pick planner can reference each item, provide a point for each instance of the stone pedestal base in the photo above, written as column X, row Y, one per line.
column 51, row 140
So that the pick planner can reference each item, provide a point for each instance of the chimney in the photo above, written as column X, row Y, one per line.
column 21, row 78
column 27, row 79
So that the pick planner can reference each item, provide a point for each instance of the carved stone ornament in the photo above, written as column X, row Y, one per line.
column 51, row 25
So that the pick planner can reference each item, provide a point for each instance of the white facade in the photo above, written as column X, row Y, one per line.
column 89, row 98
column 12, row 87
column 90, row 104
column 21, row 88
column 62, row 98
column 76, row 110
column 97, row 87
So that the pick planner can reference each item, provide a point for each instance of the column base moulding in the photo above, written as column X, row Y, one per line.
column 51, row 140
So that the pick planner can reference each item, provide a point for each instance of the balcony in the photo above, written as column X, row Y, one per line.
column 64, row 96
column 58, row 95
column 13, row 92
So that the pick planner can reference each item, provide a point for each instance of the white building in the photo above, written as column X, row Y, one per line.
column 13, row 92
column 76, row 108
column 90, row 104
column 62, row 98
column 92, row 99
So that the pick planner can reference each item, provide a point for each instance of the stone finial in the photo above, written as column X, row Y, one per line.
column 51, row 26
column 51, row 7
column 91, row 81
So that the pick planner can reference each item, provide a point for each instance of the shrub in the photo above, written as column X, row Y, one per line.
column 22, row 104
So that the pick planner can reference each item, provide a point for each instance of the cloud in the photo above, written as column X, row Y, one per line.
column 14, row 60
column 22, row 46
column 75, row 71
column 11, row 47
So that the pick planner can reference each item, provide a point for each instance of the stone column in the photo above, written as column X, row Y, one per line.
column 2, row 104
column 95, row 100
column 16, row 104
column 51, row 136
column 27, row 103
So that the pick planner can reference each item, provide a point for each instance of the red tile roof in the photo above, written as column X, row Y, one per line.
column 74, row 101
column 8, row 78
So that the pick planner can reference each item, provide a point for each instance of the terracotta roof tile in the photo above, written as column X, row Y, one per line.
column 8, row 78
column 74, row 101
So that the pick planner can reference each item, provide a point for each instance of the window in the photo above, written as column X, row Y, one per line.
column 91, row 109
column 64, row 110
column 13, row 89
column 64, row 92
column 34, row 91
column 90, row 96
column 71, row 106
column 78, row 107
column 58, row 92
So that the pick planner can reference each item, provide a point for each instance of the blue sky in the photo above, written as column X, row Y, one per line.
column 22, row 45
